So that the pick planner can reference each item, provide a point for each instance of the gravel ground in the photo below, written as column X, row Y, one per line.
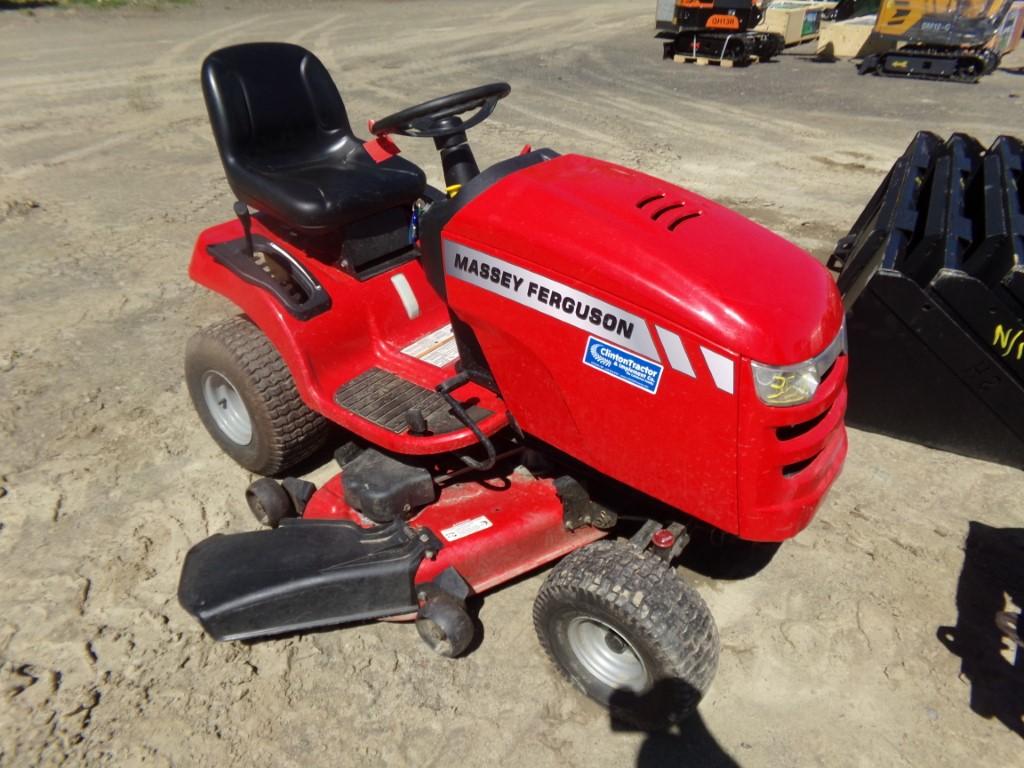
column 832, row 655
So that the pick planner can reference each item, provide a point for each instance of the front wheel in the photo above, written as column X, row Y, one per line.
column 628, row 632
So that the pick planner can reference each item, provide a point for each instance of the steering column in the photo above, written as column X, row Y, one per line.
column 457, row 158
column 439, row 119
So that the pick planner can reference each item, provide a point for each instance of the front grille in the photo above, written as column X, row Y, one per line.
column 790, row 470
column 795, row 430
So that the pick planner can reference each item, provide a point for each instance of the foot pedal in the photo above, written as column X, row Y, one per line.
column 384, row 398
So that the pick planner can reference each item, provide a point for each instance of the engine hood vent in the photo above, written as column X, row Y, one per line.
column 662, row 208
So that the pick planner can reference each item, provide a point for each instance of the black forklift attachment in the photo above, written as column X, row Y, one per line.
column 932, row 277
column 303, row 574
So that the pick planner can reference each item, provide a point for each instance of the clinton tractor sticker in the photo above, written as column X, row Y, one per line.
column 623, row 365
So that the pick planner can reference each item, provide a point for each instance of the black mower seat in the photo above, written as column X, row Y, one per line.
column 286, row 143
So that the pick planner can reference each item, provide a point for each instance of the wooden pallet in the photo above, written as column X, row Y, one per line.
column 703, row 61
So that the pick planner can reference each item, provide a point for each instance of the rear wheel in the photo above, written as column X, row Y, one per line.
column 246, row 398
column 628, row 632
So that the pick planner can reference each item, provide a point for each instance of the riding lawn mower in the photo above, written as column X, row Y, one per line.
column 553, row 359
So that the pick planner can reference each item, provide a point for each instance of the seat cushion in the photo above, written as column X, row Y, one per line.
column 328, row 192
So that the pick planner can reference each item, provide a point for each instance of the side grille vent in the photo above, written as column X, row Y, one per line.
column 795, row 430
column 661, row 209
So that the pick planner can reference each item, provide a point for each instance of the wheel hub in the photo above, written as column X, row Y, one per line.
column 614, row 642
column 607, row 655
column 227, row 408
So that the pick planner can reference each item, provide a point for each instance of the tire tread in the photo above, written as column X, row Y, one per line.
column 652, row 601
column 296, row 431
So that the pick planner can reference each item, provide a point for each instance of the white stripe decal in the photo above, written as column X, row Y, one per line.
column 675, row 350
column 721, row 368
column 406, row 294
column 550, row 297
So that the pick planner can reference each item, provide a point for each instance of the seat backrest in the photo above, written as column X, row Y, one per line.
column 268, row 100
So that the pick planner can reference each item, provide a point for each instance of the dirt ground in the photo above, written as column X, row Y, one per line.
column 832, row 655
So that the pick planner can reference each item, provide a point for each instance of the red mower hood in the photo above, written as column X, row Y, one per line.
column 671, row 254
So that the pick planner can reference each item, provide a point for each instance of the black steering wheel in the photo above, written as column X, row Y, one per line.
column 431, row 118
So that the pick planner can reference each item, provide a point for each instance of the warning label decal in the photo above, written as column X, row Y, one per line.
column 466, row 528
column 437, row 348
column 549, row 296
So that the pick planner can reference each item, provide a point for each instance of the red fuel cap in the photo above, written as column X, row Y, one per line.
column 663, row 539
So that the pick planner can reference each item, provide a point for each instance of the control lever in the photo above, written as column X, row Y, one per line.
column 242, row 212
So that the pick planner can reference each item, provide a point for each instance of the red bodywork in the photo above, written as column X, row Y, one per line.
column 694, row 274
column 718, row 281
column 366, row 326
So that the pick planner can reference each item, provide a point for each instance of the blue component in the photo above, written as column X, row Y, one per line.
column 414, row 224
column 617, row 362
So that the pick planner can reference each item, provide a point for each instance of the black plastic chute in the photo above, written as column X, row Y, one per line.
column 302, row 575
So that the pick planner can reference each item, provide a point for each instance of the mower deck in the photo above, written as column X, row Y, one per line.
column 334, row 566
column 491, row 529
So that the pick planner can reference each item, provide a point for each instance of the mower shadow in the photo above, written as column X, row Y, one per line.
column 689, row 744
column 719, row 556
column 993, row 570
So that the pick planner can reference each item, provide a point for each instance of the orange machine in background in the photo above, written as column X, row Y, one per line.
column 958, row 40
column 716, row 30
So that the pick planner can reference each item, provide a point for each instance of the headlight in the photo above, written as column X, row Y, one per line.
column 796, row 384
